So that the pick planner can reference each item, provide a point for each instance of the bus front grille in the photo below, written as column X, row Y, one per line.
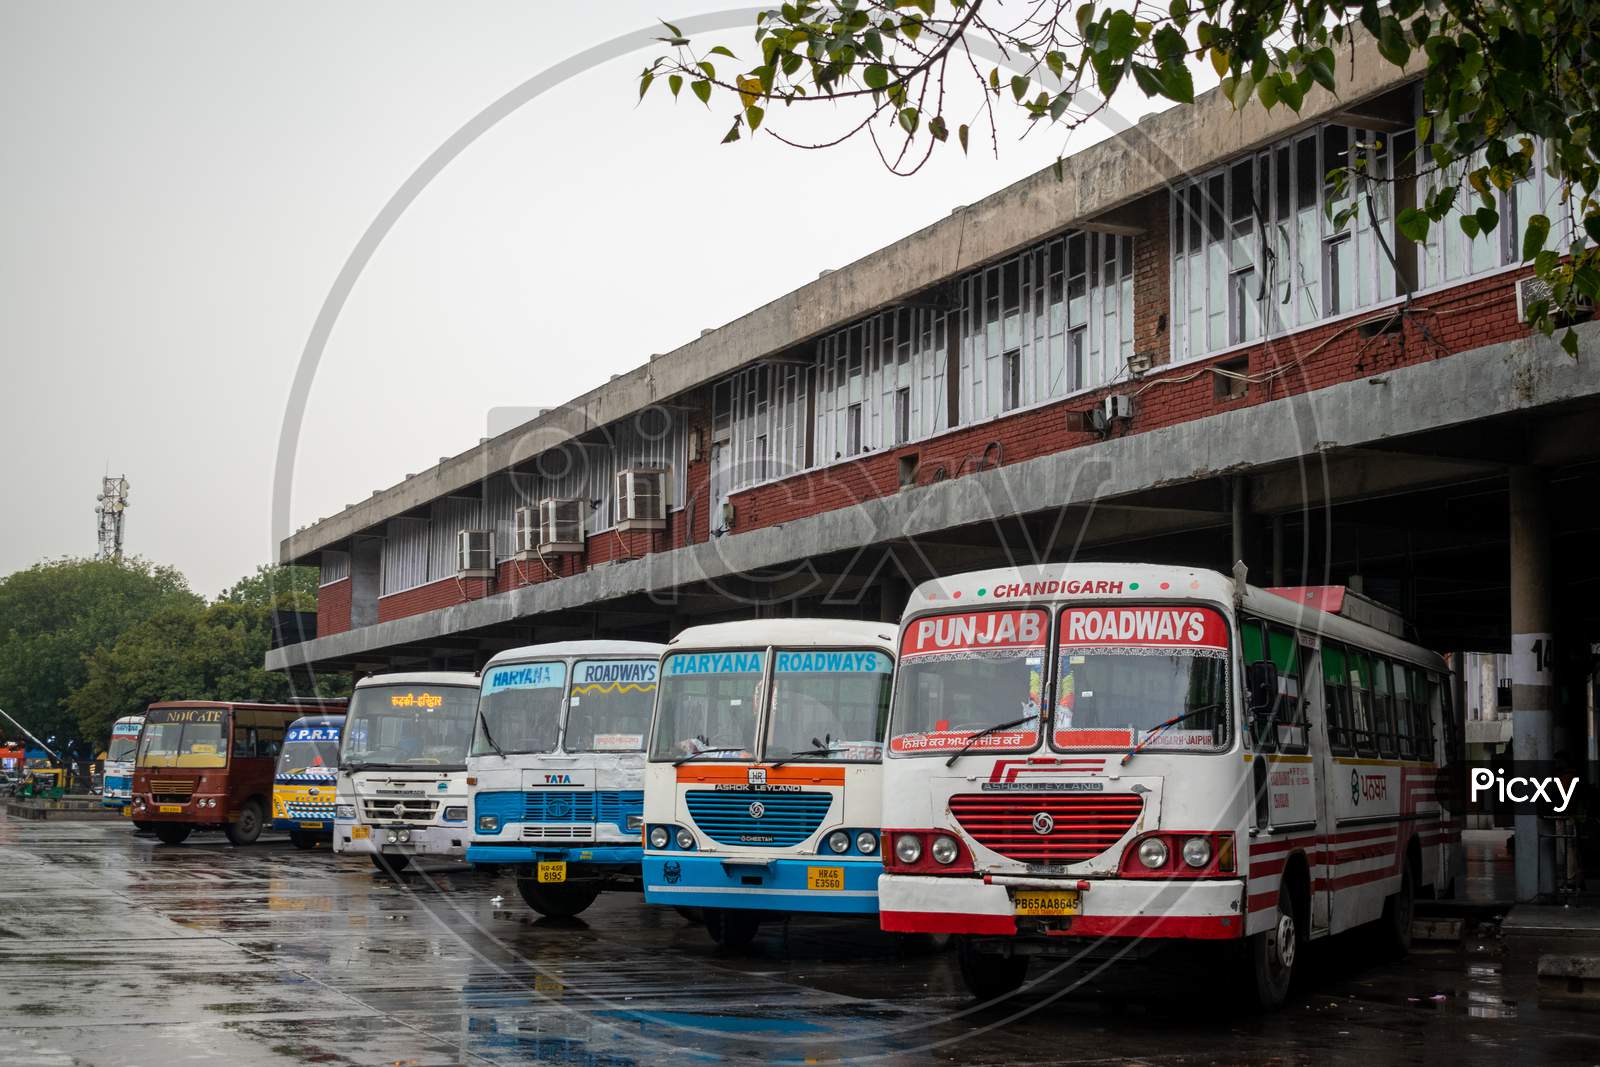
column 757, row 818
column 171, row 790
column 386, row 809
column 1075, row 827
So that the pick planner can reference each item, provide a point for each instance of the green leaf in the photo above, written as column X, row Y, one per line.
column 1537, row 233
column 910, row 118
column 876, row 76
column 733, row 132
column 1178, row 84
column 1267, row 92
column 1319, row 65
column 1569, row 343
column 1146, row 79
column 1392, row 43
column 675, row 83
column 701, row 89
column 1591, row 226
column 1469, row 225
column 1019, row 86
column 1413, row 224
column 721, row 50
column 1424, row 128
column 961, row 135
column 937, row 129
column 1056, row 62
column 644, row 82
column 1488, row 218
column 753, row 116
column 1243, row 86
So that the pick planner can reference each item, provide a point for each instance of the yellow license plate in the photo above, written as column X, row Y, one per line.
column 1046, row 902
column 172, row 809
column 824, row 877
column 360, row 833
column 127, row 811
column 553, row 872
column 311, row 826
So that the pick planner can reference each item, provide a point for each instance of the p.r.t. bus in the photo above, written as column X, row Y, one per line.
column 1121, row 751
column 116, row 788
column 556, row 774
column 764, row 784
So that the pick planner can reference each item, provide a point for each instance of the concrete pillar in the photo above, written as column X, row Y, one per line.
column 1277, row 550
column 1239, row 505
column 1532, row 660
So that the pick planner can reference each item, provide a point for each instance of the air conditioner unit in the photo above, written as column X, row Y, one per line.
column 525, row 533
column 642, row 499
column 1118, row 406
column 474, row 554
column 1532, row 290
column 561, row 524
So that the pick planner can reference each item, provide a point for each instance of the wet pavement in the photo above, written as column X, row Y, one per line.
column 117, row 950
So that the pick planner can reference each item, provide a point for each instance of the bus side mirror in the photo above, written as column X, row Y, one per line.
column 1261, row 688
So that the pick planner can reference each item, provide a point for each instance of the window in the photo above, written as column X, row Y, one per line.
column 762, row 414
column 1336, row 690
column 1262, row 641
column 1383, row 708
column 852, row 430
column 1011, row 380
column 1363, row 736
column 902, row 415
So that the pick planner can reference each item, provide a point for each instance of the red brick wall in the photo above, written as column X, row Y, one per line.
column 333, row 607
column 1152, row 281
column 441, row 594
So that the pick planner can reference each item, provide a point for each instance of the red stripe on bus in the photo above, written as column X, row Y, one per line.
column 944, row 922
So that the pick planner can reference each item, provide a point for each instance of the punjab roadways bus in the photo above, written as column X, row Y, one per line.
column 556, row 773
column 304, row 784
column 208, row 765
column 402, row 784
column 763, row 788
column 1084, row 755
column 116, row 789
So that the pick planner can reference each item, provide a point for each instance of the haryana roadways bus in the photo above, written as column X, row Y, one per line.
column 305, row 781
column 763, row 787
column 208, row 765
column 1084, row 755
column 116, row 788
column 556, row 774
column 402, row 784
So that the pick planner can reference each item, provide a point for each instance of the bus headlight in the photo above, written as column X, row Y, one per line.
column 489, row 824
column 405, row 835
column 839, row 841
column 866, row 842
column 1197, row 852
column 659, row 837
column 1153, row 852
column 635, row 821
column 944, row 849
column 456, row 813
column 685, row 839
column 907, row 849
column 344, row 811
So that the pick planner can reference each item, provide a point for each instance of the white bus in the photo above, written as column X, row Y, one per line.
column 116, row 789
column 402, row 786
column 763, row 789
column 556, row 772
column 1113, row 752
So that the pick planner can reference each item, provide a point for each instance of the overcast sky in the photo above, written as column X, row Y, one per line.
column 183, row 181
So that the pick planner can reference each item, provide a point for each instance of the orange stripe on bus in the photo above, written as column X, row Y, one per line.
column 740, row 775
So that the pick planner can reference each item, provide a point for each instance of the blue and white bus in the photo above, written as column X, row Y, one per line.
column 556, row 772
column 117, row 785
column 763, row 791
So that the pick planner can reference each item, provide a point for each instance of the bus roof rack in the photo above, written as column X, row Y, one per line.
column 1346, row 603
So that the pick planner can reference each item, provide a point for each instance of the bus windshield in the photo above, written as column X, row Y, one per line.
column 519, row 710
column 609, row 708
column 121, row 748
column 1155, row 677
column 309, row 750
column 409, row 726
column 965, row 673
column 184, row 737
column 829, row 705
column 707, row 704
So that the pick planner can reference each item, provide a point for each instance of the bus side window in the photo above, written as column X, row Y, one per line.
column 1425, row 699
column 1336, row 687
column 1400, row 709
column 244, row 741
column 269, row 741
column 1290, row 714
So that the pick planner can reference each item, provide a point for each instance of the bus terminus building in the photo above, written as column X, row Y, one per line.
column 1168, row 354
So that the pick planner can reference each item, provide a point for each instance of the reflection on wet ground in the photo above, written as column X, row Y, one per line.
column 117, row 950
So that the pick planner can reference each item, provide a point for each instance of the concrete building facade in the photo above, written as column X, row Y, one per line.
column 1167, row 354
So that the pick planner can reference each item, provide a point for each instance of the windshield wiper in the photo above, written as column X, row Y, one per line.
column 818, row 749
column 985, row 732
column 1156, row 732
column 702, row 752
column 489, row 737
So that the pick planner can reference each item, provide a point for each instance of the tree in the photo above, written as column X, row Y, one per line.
column 189, row 653
column 1497, row 76
column 54, row 614
column 277, row 588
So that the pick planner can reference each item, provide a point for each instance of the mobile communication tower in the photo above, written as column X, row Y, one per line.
column 112, row 503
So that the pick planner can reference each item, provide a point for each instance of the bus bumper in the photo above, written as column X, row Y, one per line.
column 1131, row 908
column 583, row 861
column 687, row 880
column 449, row 842
column 320, row 827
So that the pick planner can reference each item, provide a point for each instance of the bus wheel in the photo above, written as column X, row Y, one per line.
column 990, row 975
column 302, row 840
column 173, row 833
column 693, row 916
column 1271, row 954
column 390, row 863
column 732, row 928
column 143, row 827
column 1395, row 926
column 245, row 829
column 556, row 901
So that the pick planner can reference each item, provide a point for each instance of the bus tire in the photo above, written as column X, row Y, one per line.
column 693, row 916
column 172, row 833
column 142, row 826
column 559, row 901
column 303, row 840
column 390, row 863
column 1272, row 955
column 732, row 927
column 989, row 976
column 247, row 827
column 1394, row 929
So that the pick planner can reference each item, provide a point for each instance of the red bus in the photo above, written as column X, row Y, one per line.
column 207, row 764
